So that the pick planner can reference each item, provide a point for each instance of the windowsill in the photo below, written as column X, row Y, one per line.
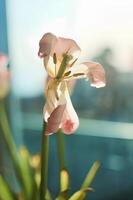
column 88, row 127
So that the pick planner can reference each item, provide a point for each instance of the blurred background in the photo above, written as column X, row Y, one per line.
column 104, row 31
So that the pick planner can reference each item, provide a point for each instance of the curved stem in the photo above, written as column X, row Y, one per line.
column 44, row 163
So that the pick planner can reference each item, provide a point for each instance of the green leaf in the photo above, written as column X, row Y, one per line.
column 80, row 194
column 91, row 175
column 11, row 147
column 5, row 193
column 27, row 173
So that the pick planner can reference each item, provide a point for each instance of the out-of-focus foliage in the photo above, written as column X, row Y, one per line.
column 28, row 171
column 30, row 164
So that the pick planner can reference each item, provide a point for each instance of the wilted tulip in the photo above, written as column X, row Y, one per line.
column 60, row 56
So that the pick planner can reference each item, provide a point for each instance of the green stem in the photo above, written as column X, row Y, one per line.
column 61, row 149
column 44, row 163
column 11, row 147
column 64, row 174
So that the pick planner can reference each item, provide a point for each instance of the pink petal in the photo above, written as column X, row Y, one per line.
column 55, row 119
column 45, row 46
column 70, row 120
column 96, row 74
column 46, row 43
column 50, row 45
column 69, row 46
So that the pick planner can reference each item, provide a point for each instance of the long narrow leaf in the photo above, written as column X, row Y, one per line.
column 27, row 173
column 5, row 193
column 80, row 194
column 91, row 175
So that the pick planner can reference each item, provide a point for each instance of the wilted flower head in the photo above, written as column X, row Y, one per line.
column 4, row 76
column 60, row 56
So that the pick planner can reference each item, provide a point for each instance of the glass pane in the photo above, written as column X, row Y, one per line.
column 103, row 30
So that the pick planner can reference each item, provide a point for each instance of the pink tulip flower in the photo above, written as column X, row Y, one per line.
column 4, row 76
column 60, row 56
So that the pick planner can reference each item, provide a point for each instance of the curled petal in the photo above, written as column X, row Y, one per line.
column 69, row 46
column 96, row 74
column 55, row 119
column 50, row 44
column 89, row 70
column 45, row 45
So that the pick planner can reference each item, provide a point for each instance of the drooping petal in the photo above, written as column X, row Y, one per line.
column 55, row 120
column 45, row 47
column 70, row 120
column 46, row 44
column 96, row 74
column 89, row 70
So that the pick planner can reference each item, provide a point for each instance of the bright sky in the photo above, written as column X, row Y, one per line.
column 93, row 24
column 107, row 22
